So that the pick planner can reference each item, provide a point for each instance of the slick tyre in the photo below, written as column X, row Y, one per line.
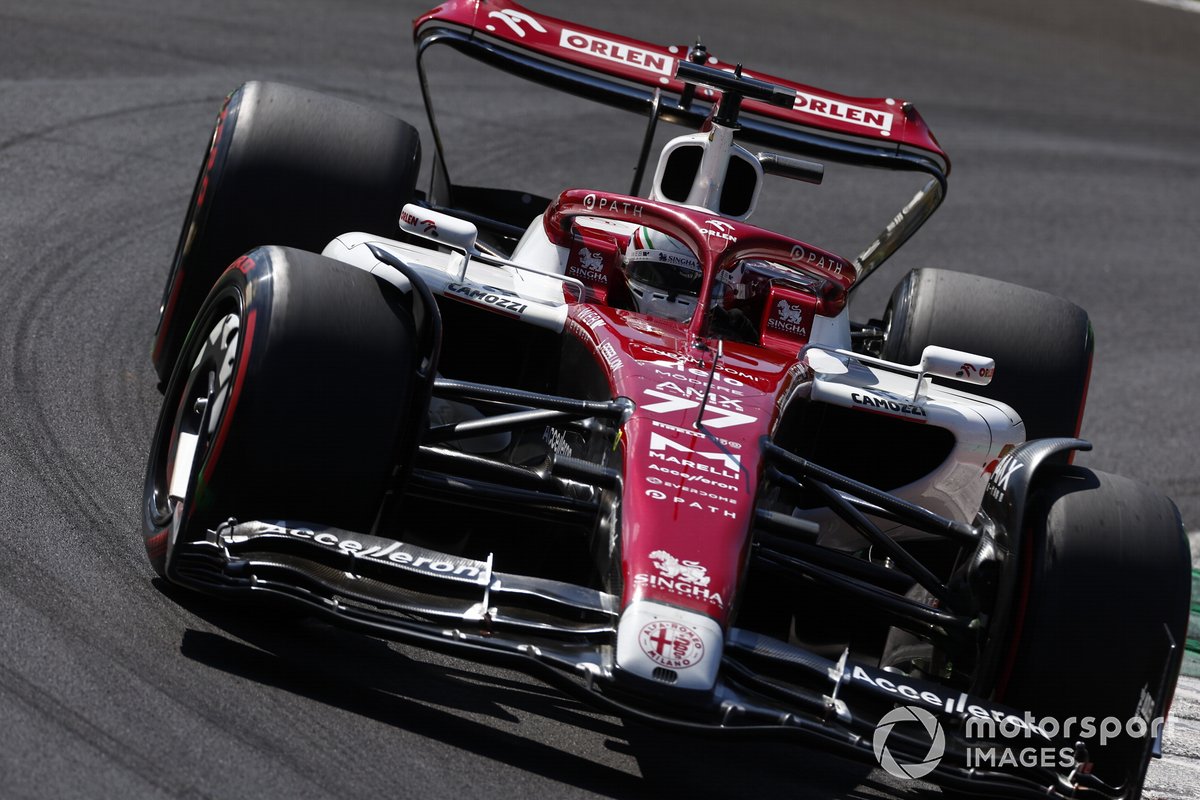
column 1105, row 588
column 1042, row 344
column 292, row 399
column 285, row 166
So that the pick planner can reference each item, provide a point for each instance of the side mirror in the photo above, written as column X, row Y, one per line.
column 795, row 168
column 441, row 228
column 957, row 365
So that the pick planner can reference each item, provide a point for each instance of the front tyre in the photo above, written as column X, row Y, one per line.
column 293, row 398
column 1106, row 588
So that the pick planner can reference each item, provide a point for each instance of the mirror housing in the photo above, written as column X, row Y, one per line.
column 444, row 229
column 957, row 365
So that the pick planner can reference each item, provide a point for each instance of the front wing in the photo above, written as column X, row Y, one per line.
column 564, row 635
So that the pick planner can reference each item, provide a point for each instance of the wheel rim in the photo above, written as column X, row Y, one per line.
column 202, row 401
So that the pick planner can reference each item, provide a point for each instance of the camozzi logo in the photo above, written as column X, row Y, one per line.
column 906, row 768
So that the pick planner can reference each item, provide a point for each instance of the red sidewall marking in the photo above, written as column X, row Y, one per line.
column 209, row 163
column 235, row 393
column 156, row 545
column 1010, row 659
column 1087, row 383
column 168, row 313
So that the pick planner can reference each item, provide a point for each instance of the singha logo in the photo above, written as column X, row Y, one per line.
column 686, row 571
column 790, row 313
column 589, row 260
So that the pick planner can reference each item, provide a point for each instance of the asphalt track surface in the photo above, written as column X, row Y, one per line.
column 1074, row 131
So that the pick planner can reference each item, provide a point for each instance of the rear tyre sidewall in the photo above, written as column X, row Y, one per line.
column 285, row 166
column 1042, row 344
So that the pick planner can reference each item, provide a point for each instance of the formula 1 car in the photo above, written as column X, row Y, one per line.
column 634, row 445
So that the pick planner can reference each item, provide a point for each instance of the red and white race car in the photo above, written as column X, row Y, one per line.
column 634, row 444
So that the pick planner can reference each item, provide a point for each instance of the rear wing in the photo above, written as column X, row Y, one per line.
column 638, row 76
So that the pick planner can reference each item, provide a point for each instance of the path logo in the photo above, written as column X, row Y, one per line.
column 917, row 769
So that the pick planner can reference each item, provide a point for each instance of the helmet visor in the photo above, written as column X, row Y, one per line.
column 668, row 272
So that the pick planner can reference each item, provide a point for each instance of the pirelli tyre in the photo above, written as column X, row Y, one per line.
column 285, row 166
column 293, row 397
column 1104, row 593
column 1042, row 344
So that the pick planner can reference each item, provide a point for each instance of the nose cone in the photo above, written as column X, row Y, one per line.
column 670, row 646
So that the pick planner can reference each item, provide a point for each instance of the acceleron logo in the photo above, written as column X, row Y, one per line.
column 912, row 718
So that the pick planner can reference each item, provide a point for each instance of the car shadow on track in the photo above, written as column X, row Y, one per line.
column 485, row 711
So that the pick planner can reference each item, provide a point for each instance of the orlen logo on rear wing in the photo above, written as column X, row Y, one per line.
column 653, row 66
column 599, row 47
column 844, row 111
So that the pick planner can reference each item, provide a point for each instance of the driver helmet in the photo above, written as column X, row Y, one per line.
column 662, row 274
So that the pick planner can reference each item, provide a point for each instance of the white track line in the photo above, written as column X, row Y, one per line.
column 1177, row 775
column 1182, row 5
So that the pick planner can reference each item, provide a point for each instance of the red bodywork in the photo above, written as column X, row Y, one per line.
column 885, row 120
column 689, row 489
column 690, row 480
column 691, row 453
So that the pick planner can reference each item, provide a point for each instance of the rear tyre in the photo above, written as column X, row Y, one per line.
column 293, row 398
column 1108, row 576
column 1042, row 344
column 286, row 166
